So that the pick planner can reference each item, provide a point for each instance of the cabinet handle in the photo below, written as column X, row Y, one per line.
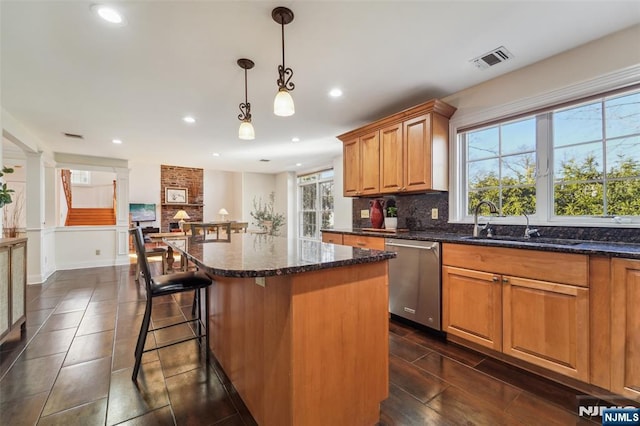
column 505, row 280
column 495, row 279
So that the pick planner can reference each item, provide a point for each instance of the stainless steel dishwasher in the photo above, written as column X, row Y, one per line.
column 414, row 281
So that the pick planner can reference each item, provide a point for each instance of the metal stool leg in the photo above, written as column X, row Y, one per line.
column 142, row 338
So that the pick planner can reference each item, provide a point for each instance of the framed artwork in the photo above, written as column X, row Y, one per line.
column 176, row 195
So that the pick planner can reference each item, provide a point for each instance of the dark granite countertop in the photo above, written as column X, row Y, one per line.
column 261, row 255
column 603, row 248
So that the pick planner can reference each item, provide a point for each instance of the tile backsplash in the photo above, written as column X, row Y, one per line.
column 414, row 213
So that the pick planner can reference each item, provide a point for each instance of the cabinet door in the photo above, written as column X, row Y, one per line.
column 370, row 163
column 391, row 159
column 417, row 153
column 4, row 290
column 351, row 168
column 331, row 237
column 547, row 324
column 18, row 282
column 625, row 327
column 472, row 306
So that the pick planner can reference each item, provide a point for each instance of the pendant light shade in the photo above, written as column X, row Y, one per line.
column 246, row 131
column 283, row 103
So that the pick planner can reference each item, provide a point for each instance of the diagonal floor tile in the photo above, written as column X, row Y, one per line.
column 48, row 343
column 195, row 396
column 413, row 380
column 79, row 384
column 403, row 409
column 31, row 376
column 62, row 321
column 24, row 411
column 160, row 417
column 128, row 399
column 97, row 323
column 91, row 346
column 91, row 414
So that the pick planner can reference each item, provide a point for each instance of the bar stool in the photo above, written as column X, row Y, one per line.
column 154, row 252
column 162, row 285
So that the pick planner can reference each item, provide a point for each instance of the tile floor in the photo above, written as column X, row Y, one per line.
column 73, row 366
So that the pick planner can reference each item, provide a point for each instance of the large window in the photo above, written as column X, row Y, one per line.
column 315, row 204
column 582, row 160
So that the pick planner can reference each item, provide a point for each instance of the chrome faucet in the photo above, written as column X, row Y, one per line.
column 528, row 232
column 492, row 209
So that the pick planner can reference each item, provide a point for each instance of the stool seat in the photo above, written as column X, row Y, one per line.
column 181, row 281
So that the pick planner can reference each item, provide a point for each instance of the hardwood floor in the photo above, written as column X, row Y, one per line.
column 73, row 366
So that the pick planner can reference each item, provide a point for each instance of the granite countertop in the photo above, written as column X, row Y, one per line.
column 261, row 255
column 604, row 248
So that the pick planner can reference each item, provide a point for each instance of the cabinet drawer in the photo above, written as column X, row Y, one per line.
column 375, row 243
column 331, row 237
column 567, row 268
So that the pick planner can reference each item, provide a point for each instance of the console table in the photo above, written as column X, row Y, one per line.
column 13, row 284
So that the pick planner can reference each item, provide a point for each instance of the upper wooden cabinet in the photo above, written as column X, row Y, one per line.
column 405, row 152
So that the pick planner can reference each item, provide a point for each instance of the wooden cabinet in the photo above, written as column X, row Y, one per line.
column 13, row 281
column 376, row 243
column 361, row 157
column 625, row 327
column 406, row 152
column 517, row 302
column 473, row 306
column 331, row 237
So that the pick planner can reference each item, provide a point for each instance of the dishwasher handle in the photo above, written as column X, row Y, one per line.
column 410, row 246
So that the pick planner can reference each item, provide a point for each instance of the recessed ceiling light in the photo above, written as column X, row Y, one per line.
column 189, row 119
column 117, row 141
column 216, row 154
column 109, row 14
column 335, row 93
column 298, row 164
column 295, row 139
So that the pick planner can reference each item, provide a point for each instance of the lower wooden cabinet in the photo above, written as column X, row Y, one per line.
column 331, row 237
column 13, row 281
column 472, row 306
column 544, row 323
column 625, row 327
column 375, row 243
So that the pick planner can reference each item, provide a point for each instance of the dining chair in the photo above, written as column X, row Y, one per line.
column 162, row 285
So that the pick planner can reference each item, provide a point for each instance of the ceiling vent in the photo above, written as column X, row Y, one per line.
column 264, row 160
column 492, row 58
column 73, row 135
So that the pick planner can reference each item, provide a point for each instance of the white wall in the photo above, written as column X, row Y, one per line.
column 76, row 247
column 219, row 192
column 615, row 52
column 256, row 186
column 286, row 202
column 342, row 206
column 144, row 187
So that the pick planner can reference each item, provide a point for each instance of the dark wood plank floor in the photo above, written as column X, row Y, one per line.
column 73, row 366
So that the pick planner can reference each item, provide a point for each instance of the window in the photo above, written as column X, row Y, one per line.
column 80, row 177
column 590, row 157
column 315, row 203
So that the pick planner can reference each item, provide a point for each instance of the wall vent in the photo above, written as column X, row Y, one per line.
column 73, row 135
column 492, row 58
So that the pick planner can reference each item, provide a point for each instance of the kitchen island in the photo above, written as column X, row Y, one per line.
column 299, row 327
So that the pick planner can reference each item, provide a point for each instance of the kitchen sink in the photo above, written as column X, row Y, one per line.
column 533, row 240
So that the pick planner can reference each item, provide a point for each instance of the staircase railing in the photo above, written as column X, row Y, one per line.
column 66, row 185
column 114, row 198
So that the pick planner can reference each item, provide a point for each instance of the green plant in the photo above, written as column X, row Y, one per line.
column 392, row 211
column 265, row 217
column 5, row 193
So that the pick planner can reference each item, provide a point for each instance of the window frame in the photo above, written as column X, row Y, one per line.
column 606, row 86
column 319, row 180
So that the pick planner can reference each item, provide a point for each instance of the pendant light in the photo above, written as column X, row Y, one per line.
column 283, row 103
column 246, row 131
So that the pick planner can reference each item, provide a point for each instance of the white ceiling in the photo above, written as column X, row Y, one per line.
column 64, row 70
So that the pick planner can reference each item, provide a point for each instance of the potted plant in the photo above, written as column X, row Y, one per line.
column 5, row 193
column 265, row 217
column 391, row 220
